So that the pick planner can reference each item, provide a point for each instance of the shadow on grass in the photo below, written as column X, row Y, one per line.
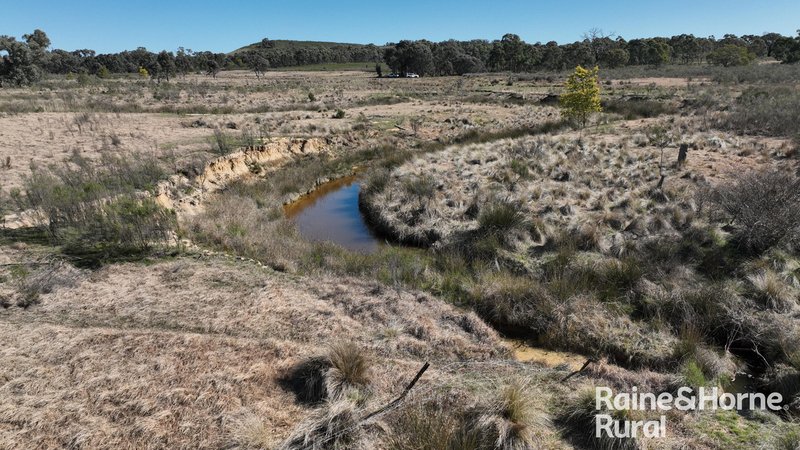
column 26, row 235
column 81, row 256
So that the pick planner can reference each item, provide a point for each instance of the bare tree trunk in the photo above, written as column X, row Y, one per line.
column 682, row 154
column 661, row 170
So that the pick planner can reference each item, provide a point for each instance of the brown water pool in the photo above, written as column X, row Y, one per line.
column 331, row 213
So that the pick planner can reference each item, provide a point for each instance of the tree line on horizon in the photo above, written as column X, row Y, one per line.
column 24, row 61
column 512, row 54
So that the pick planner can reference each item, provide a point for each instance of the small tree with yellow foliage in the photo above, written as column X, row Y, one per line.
column 582, row 96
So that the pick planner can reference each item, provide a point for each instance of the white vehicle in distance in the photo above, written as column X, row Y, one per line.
column 411, row 75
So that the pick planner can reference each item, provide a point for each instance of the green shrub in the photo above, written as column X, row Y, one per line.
column 731, row 55
column 99, row 212
column 693, row 375
column 84, row 79
column 120, row 228
column 222, row 143
column 766, row 110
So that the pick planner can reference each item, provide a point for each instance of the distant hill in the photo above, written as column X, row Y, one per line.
column 284, row 44
column 286, row 53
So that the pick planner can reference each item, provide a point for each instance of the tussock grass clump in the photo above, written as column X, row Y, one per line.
column 343, row 373
column 717, row 313
column 557, row 315
column 715, row 364
column 349, row 375
column 503, row 418
column 420, row 187
column 435, row 424
column 377, row 181
column 508, row 422
column 623, row 379
column 500, row 217
column 513, row 303
column 334, row 426
column 500, row 224
column 772, row 291
column 785, row 380
column 578, row 419
column 251, row 432
column 704, row 310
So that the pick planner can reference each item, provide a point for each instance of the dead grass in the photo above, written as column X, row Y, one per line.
column 44, row 278
column 179, row 353
column 577, row 225
column 544, row 234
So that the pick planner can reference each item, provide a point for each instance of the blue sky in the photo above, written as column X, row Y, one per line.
column 224, row 25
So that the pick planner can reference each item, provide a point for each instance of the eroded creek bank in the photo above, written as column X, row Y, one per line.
column 331, row 213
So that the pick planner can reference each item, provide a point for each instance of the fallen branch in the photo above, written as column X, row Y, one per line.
column 585, row 365
column 399, row 399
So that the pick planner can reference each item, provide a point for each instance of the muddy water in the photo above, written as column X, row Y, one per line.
column 331, row 213
column 550, row 358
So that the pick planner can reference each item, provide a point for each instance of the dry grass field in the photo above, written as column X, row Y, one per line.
column 214, row 324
